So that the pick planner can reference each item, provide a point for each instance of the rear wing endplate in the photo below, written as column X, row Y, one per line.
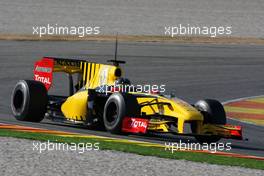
column 44, row 68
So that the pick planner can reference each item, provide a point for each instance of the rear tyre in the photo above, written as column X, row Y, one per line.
column 29, row 101
column 116, row 108
column 214, row 113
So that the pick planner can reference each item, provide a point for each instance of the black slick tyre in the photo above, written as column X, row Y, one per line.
column 29, row 101
column 116, row 108
column 214, row 113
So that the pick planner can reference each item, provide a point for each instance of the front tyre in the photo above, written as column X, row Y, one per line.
column 214, row 113
column 116, row 108
column 114, row 113
column 29, row 101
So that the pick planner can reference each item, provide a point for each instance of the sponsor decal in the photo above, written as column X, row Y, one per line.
column 45, row 80
column 65, row 62
column 43, row 71
column 134, row 125
column 103, row 76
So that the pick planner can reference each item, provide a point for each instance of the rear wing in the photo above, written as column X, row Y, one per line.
column 91, row 74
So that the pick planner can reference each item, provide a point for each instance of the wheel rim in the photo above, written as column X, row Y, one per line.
column 111, row 113
column 18, row 100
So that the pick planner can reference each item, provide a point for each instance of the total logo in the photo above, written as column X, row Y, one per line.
column 44, row 80
column 138, row 124
column 134, row 125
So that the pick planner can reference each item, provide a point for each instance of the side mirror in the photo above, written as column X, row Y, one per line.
column 173, row 94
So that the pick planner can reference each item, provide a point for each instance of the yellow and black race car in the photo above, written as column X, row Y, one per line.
column 96, row 101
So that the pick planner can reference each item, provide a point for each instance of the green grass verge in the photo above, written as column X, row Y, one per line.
column 141, row 150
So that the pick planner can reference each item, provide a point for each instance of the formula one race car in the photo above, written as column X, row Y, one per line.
column 96, row 100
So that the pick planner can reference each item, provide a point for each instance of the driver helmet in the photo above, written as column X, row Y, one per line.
column 122, row 81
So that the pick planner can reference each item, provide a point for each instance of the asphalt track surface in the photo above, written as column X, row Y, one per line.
column 145, row 17
column 192, row 71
